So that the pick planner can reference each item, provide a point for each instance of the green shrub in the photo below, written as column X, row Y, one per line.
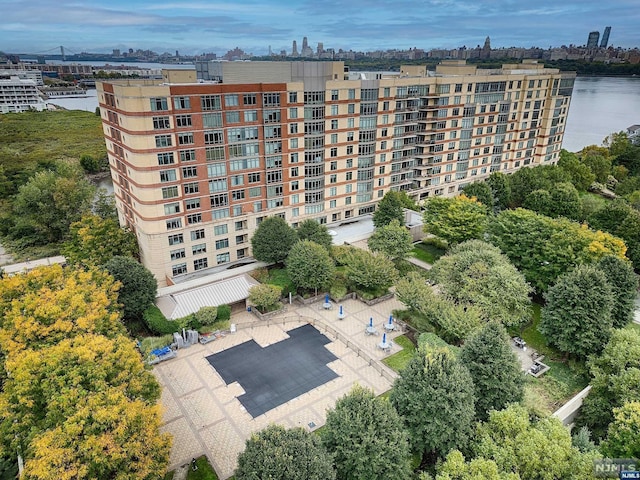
column 436, row 242
column 206, row 315
column 157, row 323
column 224, row 312
column 338, row 290
column 260, row 274
column 340, row 254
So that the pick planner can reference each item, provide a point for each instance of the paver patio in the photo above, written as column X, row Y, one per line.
column 203, row 413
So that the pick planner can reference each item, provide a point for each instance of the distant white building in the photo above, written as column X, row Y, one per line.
column 35, row 75
column 633, row 133
column 19, row 95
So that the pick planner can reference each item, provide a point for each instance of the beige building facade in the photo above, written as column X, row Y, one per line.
column 197, row 165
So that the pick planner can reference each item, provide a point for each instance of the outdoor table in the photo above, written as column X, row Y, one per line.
column 386, row 346
column 327, row 305
column 389, row 327
column 371, row 330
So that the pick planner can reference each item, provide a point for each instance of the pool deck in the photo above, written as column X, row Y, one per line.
column 203, row 413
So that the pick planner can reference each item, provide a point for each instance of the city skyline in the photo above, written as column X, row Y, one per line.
column 197, row 27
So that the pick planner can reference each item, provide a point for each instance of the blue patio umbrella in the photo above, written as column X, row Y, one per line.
column 371, row 321
column 326, row 298
column 384, row 339
column 341, row 310
column 390, row 320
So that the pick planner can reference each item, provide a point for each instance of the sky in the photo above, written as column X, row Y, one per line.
column 198, row 26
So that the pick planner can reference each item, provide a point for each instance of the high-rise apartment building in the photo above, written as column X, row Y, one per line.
column 605, row 37
column 197, row 166
column 19, row 93
column 592, row 41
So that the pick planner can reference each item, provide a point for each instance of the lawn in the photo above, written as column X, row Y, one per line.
column 204, row 472
column 399, row 360
column 280, row 278
column 426, row 252
column 565, row 378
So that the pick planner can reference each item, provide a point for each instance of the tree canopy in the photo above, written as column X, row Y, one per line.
column 615, row 377
column 481, row 192
column 309, row 265
column 434, row 396
column 624, row 285
column 48, row 204
column 360, row 425
column 623, row 438
column 370, row 271
column 393, row 240
column 542, row 248
column 476, row 273
column 538, row 449
column 273, row 240
column 496, row 371
column 455, row 219
column 311, row 230
column 94, row 241
column 280, row 454
column 139, row 286
column 388, row 209
column 577, row 315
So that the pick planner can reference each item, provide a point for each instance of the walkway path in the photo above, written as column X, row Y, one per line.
column 203, row 413
column 419, row 263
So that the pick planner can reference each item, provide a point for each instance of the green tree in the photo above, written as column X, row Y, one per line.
column 265, row 296
column 565, row 201
column 527, row 180
column 454, row 322
column 104, row 205
column 312, row 230
column 434, row 396
column 539, row 201
column 95, row 241
column 89, row 164
column 615, row 378
column 476, row 273
column 413, row 290
column 481, row 192
column 623, row 438
column 358, row 428
column 370, row 271
column 280, row 454
column 536, row 449
column 206, row 315
column 581, row 175
column 139, row 286
column 273, row 240
column 455, row 468
column 600, row 165
column 49, row 203
column 455, row 219
column 496, row 371
column 577, row 315
column 389, row 208
column 309, row 265
column 620, row 219
column 543, row 248
column 500, row 191
column 624, row 285
column 393, row 240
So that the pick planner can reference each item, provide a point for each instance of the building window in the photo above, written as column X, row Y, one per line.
column 174, row 223
column 231, row 100
column 161, row 123
column 159, row 103
column 293, row 97
column 170, row 192
column 210, row 102
column 271, row 99
column 194, row 218
column 179, row 269
column 293, row 112
column 183, row 121
column 172, row 208
column 232, row 117
column 185, row 138
column 190, row 188
column 334, row 152
column 210, row 120
column 182, row 103
column 249, row 99
column 192, row 204
column 223, row 258
column 187, row 155
column 214, row 153
column 220, row 229
column 163, row 141
column 213, row 137
column 189, row 172
column 176, row 239
column 250, row 116
column 200, row 263
column 199, row 249
column 197, row 234
column 222, row 243
column 165, row 158
column 177, row 254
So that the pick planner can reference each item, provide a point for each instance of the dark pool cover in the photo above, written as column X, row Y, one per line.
column 278, row 373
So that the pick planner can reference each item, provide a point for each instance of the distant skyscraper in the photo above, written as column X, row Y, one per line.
column 486, row 49
column 294, row 50
column 305, row 43
column 320, row 48
column 592, row 42
column 605, row 37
